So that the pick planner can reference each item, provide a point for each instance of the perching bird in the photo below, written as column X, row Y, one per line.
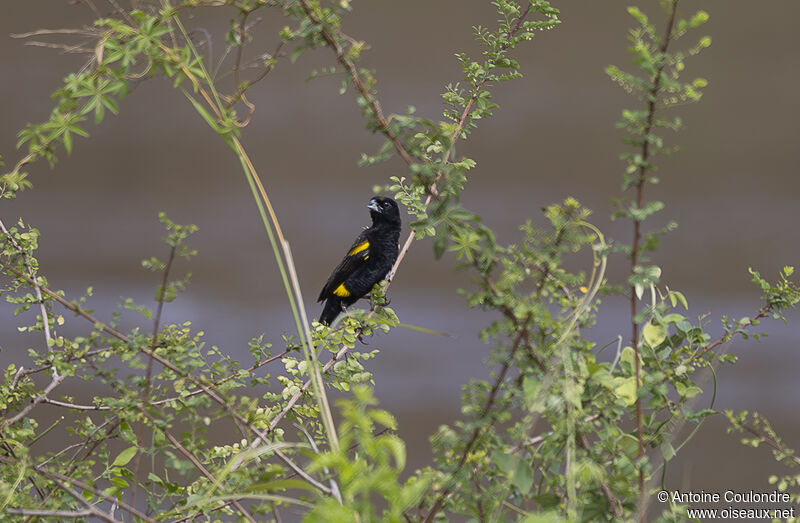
column 367, row 262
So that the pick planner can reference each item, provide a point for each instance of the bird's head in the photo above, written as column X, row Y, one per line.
column 383, row 209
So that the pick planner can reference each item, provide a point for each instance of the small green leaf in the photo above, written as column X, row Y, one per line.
column 667, row 450
column 629, row 356
column 200, row 109
column 625, row 389
column 654, row 335
column 125, row 456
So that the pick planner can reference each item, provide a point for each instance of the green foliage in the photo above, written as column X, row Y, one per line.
column 658, row 85
column 557, row 432
column 368, row 465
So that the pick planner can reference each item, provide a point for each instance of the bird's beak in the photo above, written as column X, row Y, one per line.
column 373, row 204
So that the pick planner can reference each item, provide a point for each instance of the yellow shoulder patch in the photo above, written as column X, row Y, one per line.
column 358, row 248
column 341, row 291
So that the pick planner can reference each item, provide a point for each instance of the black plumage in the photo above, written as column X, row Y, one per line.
column 367, row 262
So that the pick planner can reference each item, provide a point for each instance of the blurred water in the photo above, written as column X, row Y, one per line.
column 733, row 190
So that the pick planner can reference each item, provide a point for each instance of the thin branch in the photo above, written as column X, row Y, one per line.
column 223, row 380
column 727, row 337
column 74, row 406
column 40, row 32
column 358, row 82
column 67, row 359
column 74, row 308
column 335, row 492
column 200, row 513
column 37, row 290
column 766, row 438
column 51, row 513
column 61, row 478
column 55, row 382
column 76, row 48
column 166, row 363
column 94, row 511
column 191, row 457
column 149, row 372
column 62, row 451
column 637, row 236
column 487, row 408
column 303, row 474
column 540, row 438
column 70, row 466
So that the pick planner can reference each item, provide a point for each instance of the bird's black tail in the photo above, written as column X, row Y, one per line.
column 333, row 306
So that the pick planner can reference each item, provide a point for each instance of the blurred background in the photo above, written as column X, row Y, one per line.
column 733, row 190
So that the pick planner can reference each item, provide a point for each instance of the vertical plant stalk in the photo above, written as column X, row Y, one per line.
column 316, row 375
column 637, row 238
column 262, row 199
column 487, row 408
column 599, row 263
column 149, row 372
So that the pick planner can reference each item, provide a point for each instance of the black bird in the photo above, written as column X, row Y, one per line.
column 367, row 262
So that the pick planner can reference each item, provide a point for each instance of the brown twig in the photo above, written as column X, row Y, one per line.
column 772, row 443
column 200, row 513
column 637, row 236
column 487, row 407
column 32, row 512
column 60, row 479
column 196, row 462
column 223, row 380
column 73, row 357
column 726, row 337
column 149, row 372
column 94, row 511
column 74, row 406
column 358, row 82
column 55, row 382
column 70, row 466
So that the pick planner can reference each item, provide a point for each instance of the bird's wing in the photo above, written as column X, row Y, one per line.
column 356, row 256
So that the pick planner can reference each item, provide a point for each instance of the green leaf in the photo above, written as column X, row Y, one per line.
column 212, row 122
column 625, row 389
column 440, row 242
column 125, row 456
column 383, row 417
column 629, row 356
column 698, row 19
column 638, row 15
column 654, row 335
column 530, row 388
column 667, row 450
column 517, row 470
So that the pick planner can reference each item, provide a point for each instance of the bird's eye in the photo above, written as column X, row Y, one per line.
column 384, row 204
